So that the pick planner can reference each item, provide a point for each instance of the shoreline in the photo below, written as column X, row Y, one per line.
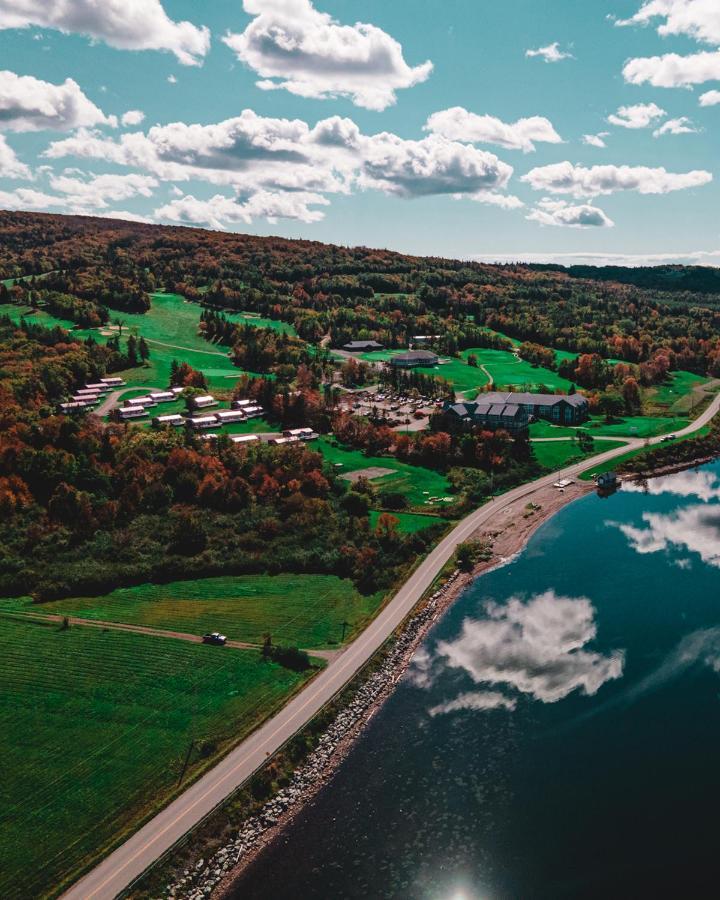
column 223, row 872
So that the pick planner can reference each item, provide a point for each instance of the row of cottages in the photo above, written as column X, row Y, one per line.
column 559, row 409
column 510, row 416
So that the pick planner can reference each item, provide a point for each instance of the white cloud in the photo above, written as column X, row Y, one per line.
column 581, row 181
column 550, row 54
column 673, row 70
column 457, row 124
column 683, row 125
column 702, row 485
column 639, row 116
column 560, row 213
column 123, row 214
column 29, row 104
column 29, row 199
column 433, row 165
column 595, row 140
column 252, row 152
column 132, row 117
column 295, row 47
column 694, row 528
column 698, row 19
column 97, row 190
column 476, row 700
column 709, row 98
column 124, row 24
column 220, row 211
column 10, row 165
column 171, row 79
column 535, row 647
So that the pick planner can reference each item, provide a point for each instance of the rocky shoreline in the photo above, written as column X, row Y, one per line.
column 215, row 876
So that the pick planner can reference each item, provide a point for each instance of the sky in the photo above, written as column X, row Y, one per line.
column 560, row 131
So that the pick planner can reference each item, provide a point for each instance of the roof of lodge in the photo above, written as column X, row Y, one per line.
column 534, row 399
column 360, row 344
column 416, row 354
column 506, row 410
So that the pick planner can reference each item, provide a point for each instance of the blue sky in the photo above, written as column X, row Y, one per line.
column 360, row 141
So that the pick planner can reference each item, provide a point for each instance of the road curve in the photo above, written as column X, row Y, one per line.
column 140, row 851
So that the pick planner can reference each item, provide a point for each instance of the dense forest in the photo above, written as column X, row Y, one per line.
column 341, row 293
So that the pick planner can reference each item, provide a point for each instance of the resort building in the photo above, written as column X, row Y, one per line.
column 132, row 412
column 113, row 382
column 140, row 401
column 203, row 401
column 509, row 416
column 163, row 396
column 414, row 358
column 225, row 416
column 174, row 419
column 560, row 409
column 244, row 439
column 202, row 422
column 362, row 346
column 303, row 434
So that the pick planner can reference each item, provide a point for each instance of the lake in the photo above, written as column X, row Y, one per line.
column 556, row 734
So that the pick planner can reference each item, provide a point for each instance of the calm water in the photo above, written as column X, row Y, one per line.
column 558, row 733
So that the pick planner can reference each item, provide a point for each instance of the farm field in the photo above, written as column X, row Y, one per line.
column 556, row 454
column 297, row 610
column 94, row 729
column 414, row 482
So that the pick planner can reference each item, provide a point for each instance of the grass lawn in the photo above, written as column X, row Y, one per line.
column 628, row 426
column 509, row 371
column 408, row 523
column 557, row 454
column 414, row 482
column 94, row 728
column 297, row 610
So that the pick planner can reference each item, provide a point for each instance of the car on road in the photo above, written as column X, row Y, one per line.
column 214, row 637
column 669, row 437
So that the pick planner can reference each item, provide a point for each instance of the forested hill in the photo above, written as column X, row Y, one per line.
column 696, row 279
column 350, row 293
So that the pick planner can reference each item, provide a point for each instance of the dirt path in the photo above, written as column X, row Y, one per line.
column 188, row 349
column 153, row 632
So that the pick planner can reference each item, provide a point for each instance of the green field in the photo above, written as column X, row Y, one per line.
column 297, row 610
column 171, row 329
column 94, row 728
column 414, row 482
column 628, row 426
column 554, row 455
column 408, row 523
column 504, row 367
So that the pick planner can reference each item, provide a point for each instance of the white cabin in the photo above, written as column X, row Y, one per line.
column 244, row 438
column 140, row 401
column 225, row 416
column 162, row 396
column 202, row 422
column 203, row 401
column 174, row 419
column 132, row 412
column 113, row 382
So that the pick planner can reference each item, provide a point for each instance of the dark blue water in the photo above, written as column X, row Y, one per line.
column 558, row 733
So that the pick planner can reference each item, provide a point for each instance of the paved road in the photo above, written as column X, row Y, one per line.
column 131, row 859
column 111, row 399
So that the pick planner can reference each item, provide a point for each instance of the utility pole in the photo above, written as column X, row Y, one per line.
column 187, row 760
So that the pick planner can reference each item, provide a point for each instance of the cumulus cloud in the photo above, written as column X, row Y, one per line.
column 698, row 19
column 560, row 213
column 219, row 211
column 29, row 104
column 595, row 140
column 535, row 647
column 10, row 165
column 702, row 485
column 695, row 528
column 295, row 47
column 124, row 24
column 132, row 117
column 639, row 116
column 683, row 125
column 673, row 70
column 709, row 98
column 97, row 190
column 433, row 165
column 29, row 199
column 457, row 124
column 475, row 700
column 582, row 181
column 550, row 54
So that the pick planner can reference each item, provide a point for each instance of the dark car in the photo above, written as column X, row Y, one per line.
column 214, row 638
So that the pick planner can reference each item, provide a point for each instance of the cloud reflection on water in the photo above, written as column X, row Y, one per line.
column 703, row 484
column 695, row 528
column 534, row 647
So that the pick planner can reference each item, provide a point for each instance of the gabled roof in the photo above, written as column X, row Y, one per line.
column 527, row 398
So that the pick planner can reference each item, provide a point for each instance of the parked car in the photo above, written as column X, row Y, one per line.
column 214, row 638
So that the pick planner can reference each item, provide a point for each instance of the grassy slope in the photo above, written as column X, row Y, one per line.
column 94, row 727
column 555, row 455
column 299, row 610
column 411, row 481
column 408, row 523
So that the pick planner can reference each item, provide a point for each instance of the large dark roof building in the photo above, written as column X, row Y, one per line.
column 510, row 416
column 414, row 358
column 560, row 409
column 362, row 346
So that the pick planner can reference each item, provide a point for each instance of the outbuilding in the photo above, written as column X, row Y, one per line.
column 413, row 359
